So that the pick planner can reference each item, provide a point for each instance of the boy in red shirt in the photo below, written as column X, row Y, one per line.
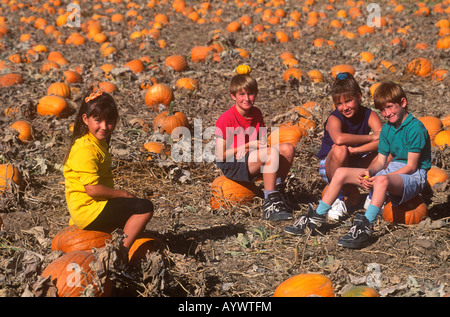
column 242, row 151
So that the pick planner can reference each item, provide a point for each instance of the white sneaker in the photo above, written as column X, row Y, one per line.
column 369, row 200
column 337, row 211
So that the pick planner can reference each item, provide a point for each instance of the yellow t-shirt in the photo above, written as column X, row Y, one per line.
column 89, row 163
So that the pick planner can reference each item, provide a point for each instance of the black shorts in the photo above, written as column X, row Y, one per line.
column 116, row 213
column 237, row 170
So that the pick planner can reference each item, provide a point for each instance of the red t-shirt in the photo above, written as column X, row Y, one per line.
column 231, row 122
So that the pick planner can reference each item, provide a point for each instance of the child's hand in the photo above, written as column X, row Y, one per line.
column 365, row 180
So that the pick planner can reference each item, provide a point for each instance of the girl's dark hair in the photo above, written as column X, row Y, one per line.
column 344, row 85
column 102, row 107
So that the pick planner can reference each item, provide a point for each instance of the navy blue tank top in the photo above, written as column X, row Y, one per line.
column 359, row 124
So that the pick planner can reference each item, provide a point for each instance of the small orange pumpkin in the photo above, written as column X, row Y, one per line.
column 342, row 68
column 72, row 77
column 24, row 129
column 286, row 134
column 135, row 65
column 143, row 243
column 305, row 285
column 436, row 175
column 361, row 291
column 410, row 212
column 420, row 66
column 9, row 174
column 72, row 238
column 296, row 73
column 59, row 89
column 187, row 83
column 442, row 138
column 177, row 62
column 228, row 193
column 10, row 79
column 200, row 53
column 158, row 94
column 52, row 106
column 154, row 147
column 168, row 120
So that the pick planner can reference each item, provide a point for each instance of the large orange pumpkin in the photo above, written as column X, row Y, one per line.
column 73, row 238
column 71, row 274
column 59, row 89
column 8, row 174
column 227, row 193
column 410, row 212
column 168, row 120
column 305, row 285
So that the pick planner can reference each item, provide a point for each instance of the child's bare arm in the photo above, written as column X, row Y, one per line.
column 411, row 165
column 334, row 127
column 101, row 192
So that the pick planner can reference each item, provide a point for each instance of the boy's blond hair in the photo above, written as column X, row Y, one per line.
column 388, row 92
column 243, row 82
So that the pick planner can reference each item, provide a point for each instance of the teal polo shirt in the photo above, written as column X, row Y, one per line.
column 411, row 136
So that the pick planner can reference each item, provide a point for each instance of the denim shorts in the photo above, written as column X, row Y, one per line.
column 237, row 170
column 413, row 184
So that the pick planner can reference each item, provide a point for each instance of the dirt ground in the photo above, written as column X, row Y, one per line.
column 229, row 251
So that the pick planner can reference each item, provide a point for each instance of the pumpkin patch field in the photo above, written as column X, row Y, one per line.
column 168, row 65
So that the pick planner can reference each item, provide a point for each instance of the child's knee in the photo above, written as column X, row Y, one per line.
column 287, row 149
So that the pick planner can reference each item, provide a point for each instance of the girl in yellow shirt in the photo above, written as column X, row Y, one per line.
column 92, row 200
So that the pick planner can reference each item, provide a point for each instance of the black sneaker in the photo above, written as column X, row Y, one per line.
column 274, row 208
column 360, row 235
column 312, row 221
column 281, row 188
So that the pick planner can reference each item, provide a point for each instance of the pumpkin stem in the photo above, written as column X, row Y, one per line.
column 171, row 108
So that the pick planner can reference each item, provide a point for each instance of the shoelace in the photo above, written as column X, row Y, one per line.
column 355, row 231
column 303, row 220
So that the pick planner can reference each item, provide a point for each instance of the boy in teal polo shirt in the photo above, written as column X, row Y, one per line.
column 403, row 137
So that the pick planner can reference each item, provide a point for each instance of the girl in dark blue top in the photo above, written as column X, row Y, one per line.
column 350, row 135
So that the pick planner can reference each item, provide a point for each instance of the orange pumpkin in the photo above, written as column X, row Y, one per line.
column 439, row 74
column 135, row 65
column 342, row 68
column 107, row 87
column 71, row 274
column 433, row 126
column 410, row 212
column 187, row 83
column 154, row 147
column 286, row 134
column 72, row 77
column 10, row 79
column 227, row 193
column 361, row 291
column 143, row 243
column 177, row 62
column 296, row 73
column 168, row 120
column 420, row 67
column 445, row 120
column 9, row 174
column 59, row 89
column 442, row 139
column 52, row 106
column 436, row 175
column 351, row 195
column 72, row 238
column 24, row 129
column 158, row 94
column 305, row 285
column 200, row 53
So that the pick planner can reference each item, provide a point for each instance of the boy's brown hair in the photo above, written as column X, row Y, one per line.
column 243, row 82
column 388, row 92
column 345, row 86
